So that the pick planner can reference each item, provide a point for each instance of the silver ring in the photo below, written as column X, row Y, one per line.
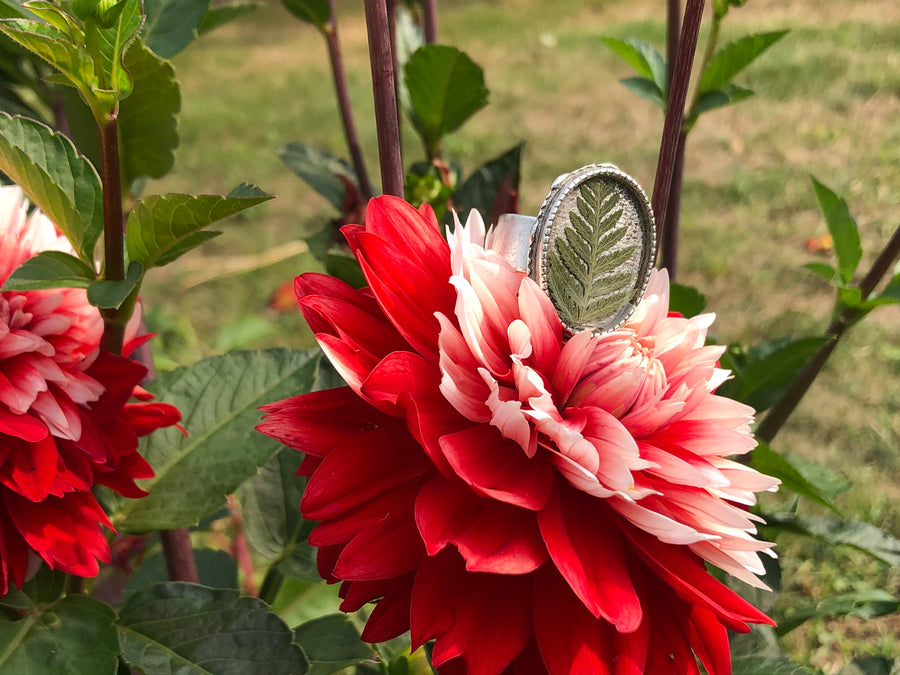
column 591, row 247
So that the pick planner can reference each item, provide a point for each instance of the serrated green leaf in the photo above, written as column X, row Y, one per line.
column 73, row 636
column 163, row 227
column 218, row 399
column 734, row 57
column 187, row 629
column 843, row 230
column 729, row 94
column 445, row 89
column 686, row 300
column 315, row 12
column 765, row 460
column 222, row 14
column 331, row 642
column 646, row 89
column 55, row 47
column 643, row 57
column 148, row 119
column 324, row 172
column 111, row 294
column 495, row 180
column 57, row 18
column 827, row 481
column 587, row 267
column 762, row 379
column 171, row 25
column 50, row 269
column 864, row 537
column 61, row 182
column 867, row 604
column 215, row 569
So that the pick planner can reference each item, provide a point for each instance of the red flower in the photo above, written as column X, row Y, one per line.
column 65, row 420
column 533, row 505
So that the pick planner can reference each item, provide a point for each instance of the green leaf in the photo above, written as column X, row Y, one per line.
column 827, row 481
column 50, row 269
column 62, row 183
column 46, row 586
column 189, row 629
column 171, row 25
column 646, row 89
column 148, row 119
column 445, row 89
column 163, row 227
column 270, row 505
column 215, row 569
column 872, row 665
column 686, row 299
column 345, row 267
column 867, row 604
column 824, row 270
column 734, row 57
column 54, row 46
column 643, row 57
column 315, row 12
column 218, row 398
column 758, row 653
column 497, row 180
column 836, row 531
column 111, row 294
column 719, row 98
column 767, row 461
column 74, row 636
column 331, row 642
column 761, row 379
column 222, row 14
column 322, row 170
column 843, row 229
column 587, row 267
column 113, row 44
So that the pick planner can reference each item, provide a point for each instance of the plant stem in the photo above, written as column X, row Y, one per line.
column 179, row 555
column 668, row 150
column 382, row 61
column 786, row 405
column 343, row 96
column 429, row 9
column 669, row 234
column 113, row 232
column 673, row 23
column 711, row 42
column 271, row 585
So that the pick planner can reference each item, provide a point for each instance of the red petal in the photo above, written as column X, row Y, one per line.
column 669, row 652
column 497, row 467
column 25, row 426
column 119, row 375
column 360, row 469
column 586, row 547
column 316, row 423
column 30, row 468
column 570, row 639
column 491, row 536
column 145, row 418
column 685, row 573
column 486, row 617
column 390, row 617
column 383, row 550
column 709, row 639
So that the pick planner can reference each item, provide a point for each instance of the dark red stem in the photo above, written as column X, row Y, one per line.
column 673, row 25
column 382, row 61
column 669, row 244
column 779, row 413
column 343, row 97
column 113, row 232
column 179, row 555
column 681, row 77
column 429, row 9
column 239, row 549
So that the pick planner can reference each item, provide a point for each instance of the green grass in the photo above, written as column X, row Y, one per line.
column 827, row 104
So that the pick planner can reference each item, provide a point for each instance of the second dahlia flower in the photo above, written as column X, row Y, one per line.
column 534, row 505
column 65, row 420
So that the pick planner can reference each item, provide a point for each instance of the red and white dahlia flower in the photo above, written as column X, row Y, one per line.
column 65, row 420
column 534, row 505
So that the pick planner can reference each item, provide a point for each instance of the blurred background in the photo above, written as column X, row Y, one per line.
column 827, row 104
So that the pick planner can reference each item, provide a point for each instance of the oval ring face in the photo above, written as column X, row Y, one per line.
column 594, row 247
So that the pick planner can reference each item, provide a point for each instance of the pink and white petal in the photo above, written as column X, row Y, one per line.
column 538, row 313
column 660, row 526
